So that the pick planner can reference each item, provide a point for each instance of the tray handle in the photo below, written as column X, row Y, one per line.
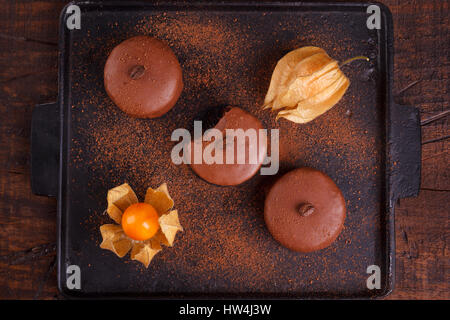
column 405, row 151
column 45, row 149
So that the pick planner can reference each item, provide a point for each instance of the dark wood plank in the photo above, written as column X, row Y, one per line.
column 28, row 75
column 422, row 56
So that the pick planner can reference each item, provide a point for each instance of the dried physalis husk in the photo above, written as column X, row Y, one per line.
column 145, row 251
column 170, row 225
column 120, row 198
column 159, row 198
column 115, row 239
column 306, row 83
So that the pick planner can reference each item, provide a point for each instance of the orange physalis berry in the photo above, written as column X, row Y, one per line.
column 140, row 221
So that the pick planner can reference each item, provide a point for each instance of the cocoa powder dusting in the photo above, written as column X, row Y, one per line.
column 225, row 247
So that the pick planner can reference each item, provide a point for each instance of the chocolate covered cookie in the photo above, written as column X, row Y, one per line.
column 304, row 210
column 239, row 140
column 143, row 77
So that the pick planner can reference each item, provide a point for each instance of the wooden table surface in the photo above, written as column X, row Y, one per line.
column 28, row 76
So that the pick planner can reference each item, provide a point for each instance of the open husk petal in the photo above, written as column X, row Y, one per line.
column 145, row 251
column 114, row 213
column 120, row 198
column 170, row 225
column 159, row 199
column 114, row 239
column 161, row 238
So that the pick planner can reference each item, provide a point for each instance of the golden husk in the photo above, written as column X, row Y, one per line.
column 114, row 238
column 306, row 83
column 159, row 198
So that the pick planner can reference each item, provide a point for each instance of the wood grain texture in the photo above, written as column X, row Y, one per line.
column 28, row 76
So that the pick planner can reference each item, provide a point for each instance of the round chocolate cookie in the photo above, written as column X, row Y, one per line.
column 242, row 147
column 304, row 210
column 143, row 77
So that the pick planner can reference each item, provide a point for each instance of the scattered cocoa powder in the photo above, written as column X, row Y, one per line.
column 228, row 60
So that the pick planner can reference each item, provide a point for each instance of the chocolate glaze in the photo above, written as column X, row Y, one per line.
column 143, row 77
column 232, row 174
column 289, row 197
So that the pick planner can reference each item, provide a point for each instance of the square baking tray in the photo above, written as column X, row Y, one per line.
column 84, row 145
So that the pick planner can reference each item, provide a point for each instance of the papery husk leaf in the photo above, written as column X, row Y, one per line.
column 114, row 213
column 317, row 105
column 145, row 251
column 304, row 87
column 119, row 199
column 291, row 115
column 161, row 238
column 170, row 225
column 311, row 64
column 305, row 84
column 283, row 70
column 114, row 239
column 294, row 69
column 298, row 85
column 327, row 98
column 159, row 199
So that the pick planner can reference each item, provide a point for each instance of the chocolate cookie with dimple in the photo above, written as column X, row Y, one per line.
column 247, row 146
column 305, row 210
column 143, row 77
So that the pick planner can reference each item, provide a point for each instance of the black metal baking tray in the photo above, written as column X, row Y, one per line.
column 227, row 52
